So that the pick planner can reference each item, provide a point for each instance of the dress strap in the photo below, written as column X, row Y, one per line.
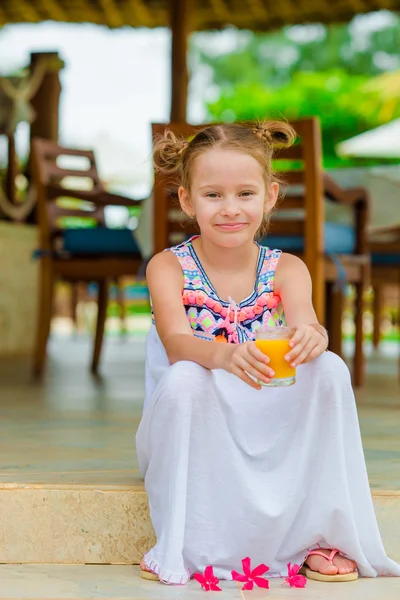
column 182, row 250
column 267, row 275
column 193, row 276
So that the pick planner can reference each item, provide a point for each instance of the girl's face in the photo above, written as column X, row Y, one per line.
column 228, row 196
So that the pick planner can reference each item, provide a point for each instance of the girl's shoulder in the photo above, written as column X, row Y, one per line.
column 161, row 264
column 290, row 267
column 169, row 255
column 290, row 261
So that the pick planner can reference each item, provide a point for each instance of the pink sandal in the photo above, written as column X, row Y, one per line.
column 310, row 574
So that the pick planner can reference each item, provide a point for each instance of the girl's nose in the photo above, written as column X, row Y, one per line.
column 230, row 208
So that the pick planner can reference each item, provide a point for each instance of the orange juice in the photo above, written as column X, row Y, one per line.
column 274, row 342
column 276, row 350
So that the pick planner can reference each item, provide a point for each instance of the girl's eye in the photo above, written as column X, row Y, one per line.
column 212, row 195
column 245, row 194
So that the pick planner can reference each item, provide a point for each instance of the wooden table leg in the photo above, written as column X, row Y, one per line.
column 377, row 307
column 334, row 317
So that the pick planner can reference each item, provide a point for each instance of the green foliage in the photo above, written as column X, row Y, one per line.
column 338, row 99
column 305, row 71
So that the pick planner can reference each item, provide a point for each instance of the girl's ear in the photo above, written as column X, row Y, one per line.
column 184, row 201
column 271, row 197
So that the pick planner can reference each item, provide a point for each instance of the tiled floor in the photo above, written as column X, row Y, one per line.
column 75, row 429
column 123, row 583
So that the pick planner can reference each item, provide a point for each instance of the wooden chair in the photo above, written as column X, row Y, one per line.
column 298, row 227
column 351, row 252
column 384, row 245
column 74, row 254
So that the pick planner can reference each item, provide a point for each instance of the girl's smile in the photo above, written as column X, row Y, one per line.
column 228, row 227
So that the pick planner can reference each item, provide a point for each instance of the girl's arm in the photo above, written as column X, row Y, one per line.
column 165, row 281
column 293, row 284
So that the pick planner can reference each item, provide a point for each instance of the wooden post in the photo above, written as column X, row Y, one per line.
column 361, row 222
column 45, row 103
column 179, row 18
column 11, row 169
column 377, row 315
column 46, row 100
column 314, row 252
column 334, row 315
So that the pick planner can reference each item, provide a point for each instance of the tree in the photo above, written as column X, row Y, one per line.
column 340, row 101
column 305, row 70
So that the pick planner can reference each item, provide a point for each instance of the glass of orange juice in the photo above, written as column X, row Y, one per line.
column 274, row 342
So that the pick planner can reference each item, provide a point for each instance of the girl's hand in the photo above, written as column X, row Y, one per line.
column 308, row 342
column 246, row 359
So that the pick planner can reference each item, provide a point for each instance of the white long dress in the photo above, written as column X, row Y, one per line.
column 232, row 472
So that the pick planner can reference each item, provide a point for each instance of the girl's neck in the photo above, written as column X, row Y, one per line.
column 226, row 259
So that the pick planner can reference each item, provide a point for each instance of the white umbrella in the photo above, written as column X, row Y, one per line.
column 382, row 142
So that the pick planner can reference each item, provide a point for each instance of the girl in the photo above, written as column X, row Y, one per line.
column 233, row 469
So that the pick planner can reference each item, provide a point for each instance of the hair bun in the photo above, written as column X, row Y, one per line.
column 275, row 133
column 168, row 152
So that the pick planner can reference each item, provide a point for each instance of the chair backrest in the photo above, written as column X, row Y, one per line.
column 170, row 226
column 301, row 213
column 64, row 191
column 385, row 240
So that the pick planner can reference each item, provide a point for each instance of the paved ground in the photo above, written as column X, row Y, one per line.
column 74, row 428
column 123, row 583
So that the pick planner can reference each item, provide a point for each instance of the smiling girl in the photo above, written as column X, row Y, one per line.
column 233, row 469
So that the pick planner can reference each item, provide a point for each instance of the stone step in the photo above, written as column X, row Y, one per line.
column 109, row 582
column 107, row 524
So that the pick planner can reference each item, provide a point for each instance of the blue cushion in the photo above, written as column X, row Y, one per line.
column 339, row 239
column 100, row 240
column 386, row 259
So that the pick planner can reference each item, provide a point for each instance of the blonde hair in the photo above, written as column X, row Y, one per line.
column 176, row 155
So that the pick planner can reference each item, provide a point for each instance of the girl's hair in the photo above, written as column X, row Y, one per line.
column 175, row 155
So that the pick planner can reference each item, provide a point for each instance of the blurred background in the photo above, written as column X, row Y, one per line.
column 115, row 82
column 78, row 76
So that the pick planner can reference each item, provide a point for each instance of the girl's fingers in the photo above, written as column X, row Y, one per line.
column 261, row 367
column 293, row 355
column 311, row 344
column 297, row 337
column 259, row 360
column 244, row 377
column 257, row 353
column 253, row 371
column 314, row 353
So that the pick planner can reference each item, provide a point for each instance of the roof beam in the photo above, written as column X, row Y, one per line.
column 84, row 12
column 111, row 13
column 220, row 9
column 27, row 11
column 54, row 10
column 138, row 9
column 258, row 8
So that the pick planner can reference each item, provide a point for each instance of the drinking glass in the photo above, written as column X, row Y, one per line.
column 274, row 342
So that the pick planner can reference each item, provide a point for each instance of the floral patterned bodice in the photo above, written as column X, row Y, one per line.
column 218, row 320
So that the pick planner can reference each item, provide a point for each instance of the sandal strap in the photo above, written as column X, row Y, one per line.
column 328, row 558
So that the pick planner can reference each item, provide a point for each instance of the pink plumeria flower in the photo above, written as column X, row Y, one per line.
column 251, row 577
column 208, row 581
column 293, row 578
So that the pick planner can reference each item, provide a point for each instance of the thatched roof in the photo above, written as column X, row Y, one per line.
column 207, row 14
